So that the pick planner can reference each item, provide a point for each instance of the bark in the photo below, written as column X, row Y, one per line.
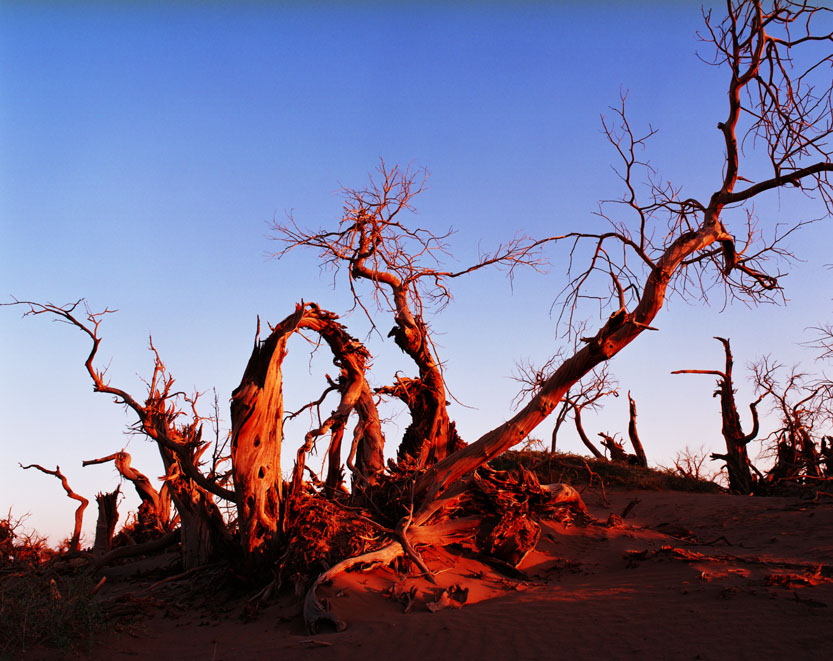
column 203, row 533
column 432, row 438
column 639, row 451
column 155, row 510
column 367, row 450
column 75, row 540
column 108, row 516
column 335, row 472
column 257, row 424
column 431, row 435
column 256, row 438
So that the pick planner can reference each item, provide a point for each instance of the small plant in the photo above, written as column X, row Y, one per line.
column 38, row 605
column 43, row 607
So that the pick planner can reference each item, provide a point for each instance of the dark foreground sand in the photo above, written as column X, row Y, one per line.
column 688, row 576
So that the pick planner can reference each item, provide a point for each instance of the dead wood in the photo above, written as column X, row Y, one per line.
column 155, row 509
column 74, row 542
column 133, row 550
column 639, row 451
column 741, row 479
column 108, row 516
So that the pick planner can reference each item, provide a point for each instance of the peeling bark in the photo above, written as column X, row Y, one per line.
column 256, row 438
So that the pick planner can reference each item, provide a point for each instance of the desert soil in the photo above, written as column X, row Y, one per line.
column 683, row 576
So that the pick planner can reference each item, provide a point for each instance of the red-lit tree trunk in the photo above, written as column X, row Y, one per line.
column 257, row 425
column 155, row 508
column 583, row 435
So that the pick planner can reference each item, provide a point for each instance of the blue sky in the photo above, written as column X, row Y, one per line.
column 145, row 149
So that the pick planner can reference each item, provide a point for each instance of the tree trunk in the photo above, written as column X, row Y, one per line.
column 256, row 437
column 257, row 423
column 639, row 451
column 108, row 516
column 431, row 435
column 368, row 440
column 621, row 329
column 583, row 436
column 203, row 532
column 155, row 510
column 741, row 479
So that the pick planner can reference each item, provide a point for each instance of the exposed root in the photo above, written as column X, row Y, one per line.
column 137, row 549
column 316, row 611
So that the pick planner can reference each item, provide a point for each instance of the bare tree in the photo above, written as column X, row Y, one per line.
column 74, row 541
column 373, row 243
column 801, row 403
column 257, row 425
column 155, row 509
column 588, row 393
column 779, row 106
column 681, row 244
column 689, row 464
column 741, row 479
column 203, row 530
column 633, row 434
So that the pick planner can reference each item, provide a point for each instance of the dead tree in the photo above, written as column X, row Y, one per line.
column 778, row 102
column 257, row 425
column 586, row 394
column 373, row 243
column 800, row 404
column 741, row 479
column 75, row 540
column 180, row 445
column 108, row 517
column 155, row 508
column 639, row 452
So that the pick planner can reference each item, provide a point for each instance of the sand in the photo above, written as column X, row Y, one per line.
column 684, row 576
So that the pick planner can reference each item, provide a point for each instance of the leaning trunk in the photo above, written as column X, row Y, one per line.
column 621, row 329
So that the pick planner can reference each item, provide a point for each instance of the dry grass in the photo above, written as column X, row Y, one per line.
column 38, row 604
column 576, row 470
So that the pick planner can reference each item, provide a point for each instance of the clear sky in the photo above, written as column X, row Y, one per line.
column 144, row 150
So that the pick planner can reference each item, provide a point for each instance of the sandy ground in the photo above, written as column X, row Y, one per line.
column 687, row 576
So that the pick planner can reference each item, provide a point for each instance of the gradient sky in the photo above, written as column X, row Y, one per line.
column 144, row 150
